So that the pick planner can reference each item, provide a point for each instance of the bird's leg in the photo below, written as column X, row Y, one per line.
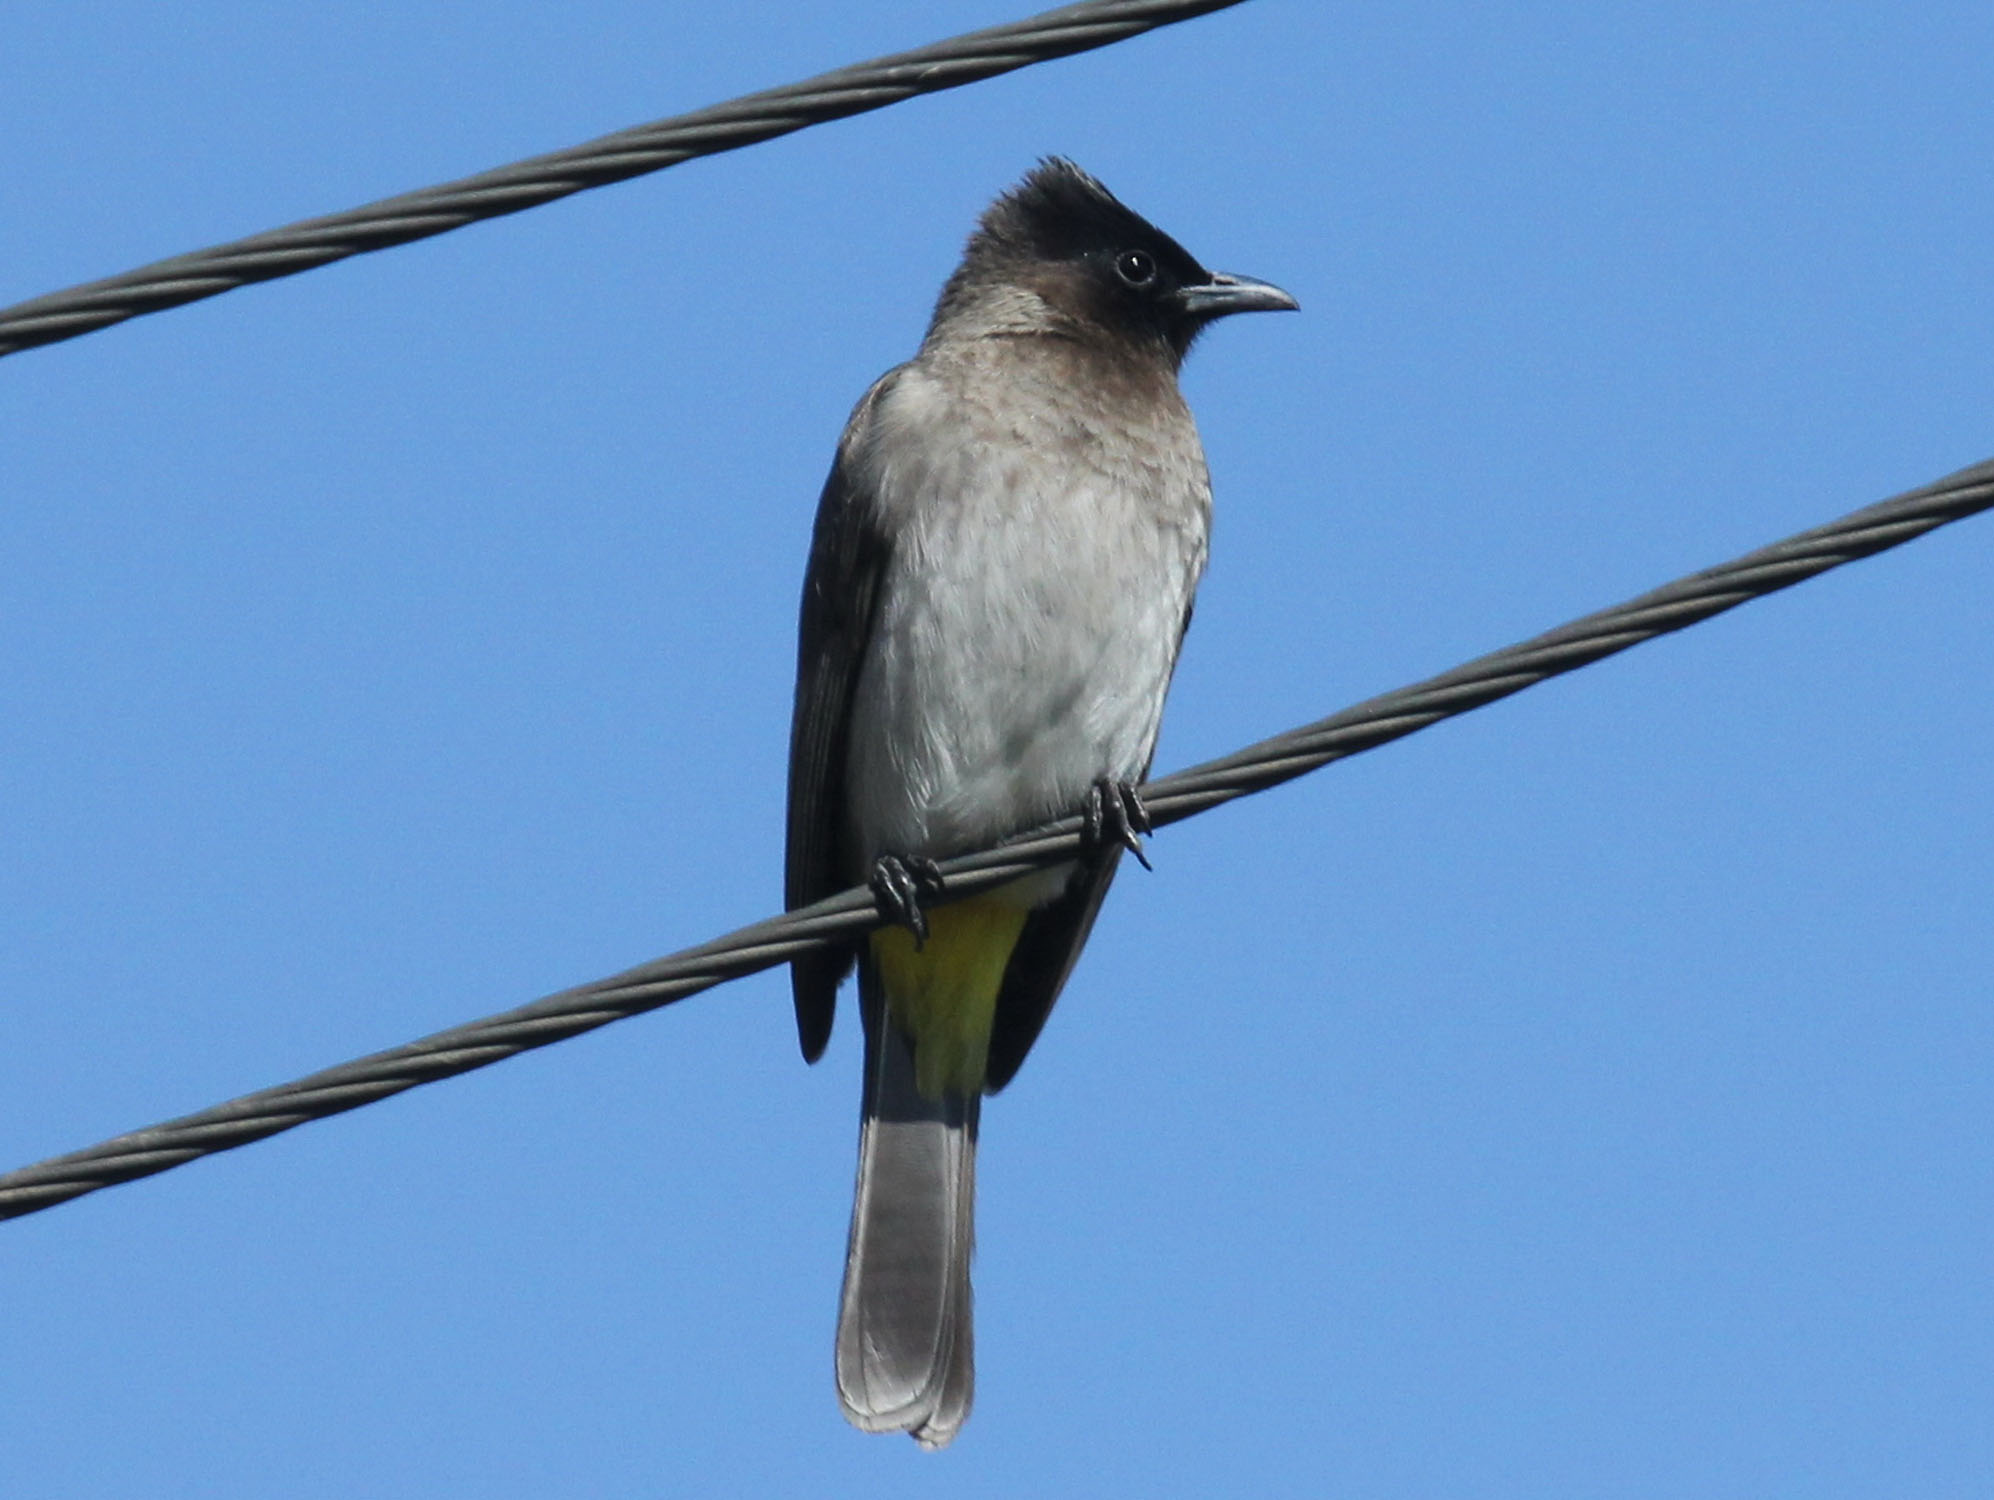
column 900, row 884
column 1115, row 815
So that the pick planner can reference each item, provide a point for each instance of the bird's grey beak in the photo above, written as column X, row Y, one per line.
column 1225, row 294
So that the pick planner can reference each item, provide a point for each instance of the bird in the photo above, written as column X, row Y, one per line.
column 1001, row 572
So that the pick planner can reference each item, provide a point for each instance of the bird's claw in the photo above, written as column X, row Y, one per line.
column 900, row 884
column 1115, row 815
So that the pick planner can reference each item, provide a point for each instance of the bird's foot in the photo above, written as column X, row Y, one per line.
column 1114, row 815
column 900, row 885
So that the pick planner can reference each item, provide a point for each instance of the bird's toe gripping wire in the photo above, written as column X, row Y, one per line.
column 900, row 884
column 1115, row 815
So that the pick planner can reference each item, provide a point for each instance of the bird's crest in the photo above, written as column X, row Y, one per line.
column 1060, row 212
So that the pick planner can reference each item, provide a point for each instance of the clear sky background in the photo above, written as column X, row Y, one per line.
column 1588, row 1097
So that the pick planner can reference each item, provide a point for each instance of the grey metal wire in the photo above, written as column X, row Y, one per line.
column 629, row 153
column 1269, row 763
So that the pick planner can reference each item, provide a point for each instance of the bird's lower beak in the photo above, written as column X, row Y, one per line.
column 1225, row 294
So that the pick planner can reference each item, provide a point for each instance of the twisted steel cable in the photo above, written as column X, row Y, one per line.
column 628, row 153
column 1374, row 722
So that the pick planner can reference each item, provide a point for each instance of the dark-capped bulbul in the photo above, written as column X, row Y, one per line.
column 1000, row 577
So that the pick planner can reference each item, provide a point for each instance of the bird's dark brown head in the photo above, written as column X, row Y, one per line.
column 1059, row 254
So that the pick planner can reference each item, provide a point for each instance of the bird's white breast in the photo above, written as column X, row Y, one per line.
column 1045, row 546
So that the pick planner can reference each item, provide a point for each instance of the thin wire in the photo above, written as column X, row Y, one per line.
column 629, row 153
column 843, row 917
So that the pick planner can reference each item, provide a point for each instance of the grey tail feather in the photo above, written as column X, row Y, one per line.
column 906, row 1351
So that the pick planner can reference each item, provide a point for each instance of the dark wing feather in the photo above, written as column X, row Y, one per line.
column 848, row 551
column 1047, row 948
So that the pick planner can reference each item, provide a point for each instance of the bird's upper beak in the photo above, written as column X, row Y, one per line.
column 1225, row 294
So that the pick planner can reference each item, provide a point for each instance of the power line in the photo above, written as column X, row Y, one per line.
column 628, row 153
column 1375, row 722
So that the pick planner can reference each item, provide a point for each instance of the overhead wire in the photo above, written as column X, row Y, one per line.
column 612, row 158
column 842, row 918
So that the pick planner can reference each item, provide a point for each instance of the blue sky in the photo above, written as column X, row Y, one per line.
column 1587, row 1097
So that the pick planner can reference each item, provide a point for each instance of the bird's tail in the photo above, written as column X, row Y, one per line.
column 906, row 1358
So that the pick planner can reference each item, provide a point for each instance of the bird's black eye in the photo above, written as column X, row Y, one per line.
column 1136, row 267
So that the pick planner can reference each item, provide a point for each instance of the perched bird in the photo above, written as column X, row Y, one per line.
column 1000, row 577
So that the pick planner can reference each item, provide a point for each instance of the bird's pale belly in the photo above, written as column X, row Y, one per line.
column 998, row 710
